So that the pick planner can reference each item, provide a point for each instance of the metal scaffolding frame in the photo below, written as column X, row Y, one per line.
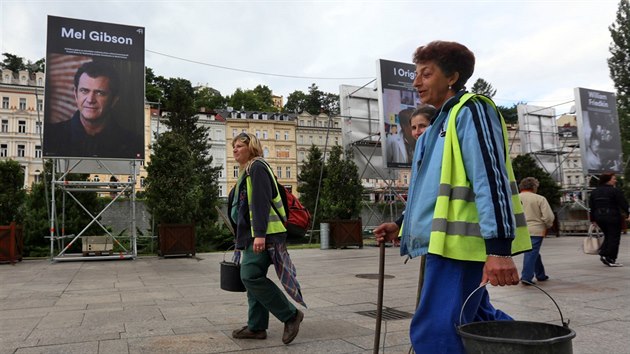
column 61, row 168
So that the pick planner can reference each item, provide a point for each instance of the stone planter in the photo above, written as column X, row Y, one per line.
column 176, row 239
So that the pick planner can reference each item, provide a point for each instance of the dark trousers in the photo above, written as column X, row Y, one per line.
column 263, row 295
column 611, row 227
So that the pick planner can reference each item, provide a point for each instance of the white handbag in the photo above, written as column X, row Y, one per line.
column 593, row 241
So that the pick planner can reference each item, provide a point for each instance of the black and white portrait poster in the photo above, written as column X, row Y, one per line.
column 94, row 103
column 598, row 129
column 398, row 99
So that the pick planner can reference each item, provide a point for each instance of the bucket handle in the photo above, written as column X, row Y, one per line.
column 461, row 313
column 236, row 258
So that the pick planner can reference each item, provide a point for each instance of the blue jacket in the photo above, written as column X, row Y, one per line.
column 481, row 138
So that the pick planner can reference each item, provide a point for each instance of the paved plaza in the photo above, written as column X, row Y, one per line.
column 175, row 305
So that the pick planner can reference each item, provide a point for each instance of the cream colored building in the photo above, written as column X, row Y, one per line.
column 276, row 132
column 320, row 130
column 21, row 121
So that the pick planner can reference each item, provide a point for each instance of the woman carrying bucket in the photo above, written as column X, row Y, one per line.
column 463, row 211
column 261, row 235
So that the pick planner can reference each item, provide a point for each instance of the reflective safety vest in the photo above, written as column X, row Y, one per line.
column 276, row 213
column 455, row 231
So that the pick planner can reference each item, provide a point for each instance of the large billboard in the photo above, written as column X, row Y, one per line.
column 398, row 99
column 94, row 102
column 598, row 131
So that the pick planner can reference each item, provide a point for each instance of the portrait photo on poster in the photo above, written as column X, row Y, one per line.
column 94, row 104
column 398, row 100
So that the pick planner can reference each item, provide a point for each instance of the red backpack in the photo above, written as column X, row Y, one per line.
column 298, row 218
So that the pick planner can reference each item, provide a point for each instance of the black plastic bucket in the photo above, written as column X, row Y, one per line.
column 231, row 276
column 512, row 337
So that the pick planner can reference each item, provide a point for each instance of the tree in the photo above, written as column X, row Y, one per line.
column 154, row 86
column 510, row 114
column 342, row 189
column 181, row 186
column 308, row 180
column 259, row 99
column 12, row 192
column 483, row 87
column 619, row 65
column 13, row 62
column 526, row 166
column 209, row 98
column 314, row 102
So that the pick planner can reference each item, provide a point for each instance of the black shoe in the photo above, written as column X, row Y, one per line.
column 527, row 282
column 292, row 327
column 246, row 333
column 545, row 278
column 604, row 260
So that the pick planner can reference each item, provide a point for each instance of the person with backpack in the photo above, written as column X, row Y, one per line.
column 463, row 211
column 257, row 214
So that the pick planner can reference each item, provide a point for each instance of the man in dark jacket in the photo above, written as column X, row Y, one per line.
column 607, row 205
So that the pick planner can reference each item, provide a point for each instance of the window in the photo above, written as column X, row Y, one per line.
column 277, row 135
column 286, row 135
column 234, row 133
column 221, row 173
column 300, row 139
column 221, row 191
column 40, row 105
column 142, row 181
column 23, row 104
column 97, row 178
column 22, row 126
column 4, row 150
column 265, row 134
column 235, row 172
column 38, row 151
column 5, row 125
column 279, row 171
column 265, row 152
column 258, row 134
column 301, row 154
column 288, row 169
column 21, row 150
column 128, row 179
column 38, row 128
column 38, row 178
column 5, row 102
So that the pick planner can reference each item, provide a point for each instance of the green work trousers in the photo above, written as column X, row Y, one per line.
column 263, row 295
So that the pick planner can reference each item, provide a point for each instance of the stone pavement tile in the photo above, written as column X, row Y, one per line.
column 590, row 339
column 151, row 294
column 164, row 327
column 50, row 336
column 115, row 346
column 97, row 297
column 62, row 319
column 389, row 338
column 9, row 346
column 333, row 346
column 72, row 348
column 137, row 314
column 16, row 329
column 213, row 342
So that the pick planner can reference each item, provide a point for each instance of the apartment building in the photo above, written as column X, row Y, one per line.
column 21, row 121
column 320, row 130
column 276, row 132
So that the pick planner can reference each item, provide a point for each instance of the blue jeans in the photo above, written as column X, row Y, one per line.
column 447, row 284
column 532, row 262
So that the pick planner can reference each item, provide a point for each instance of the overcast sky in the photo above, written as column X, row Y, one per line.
column 530, row 51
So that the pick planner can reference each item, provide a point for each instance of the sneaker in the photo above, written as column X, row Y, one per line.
column 292, row 327
column 246, row 333
column 615, row 264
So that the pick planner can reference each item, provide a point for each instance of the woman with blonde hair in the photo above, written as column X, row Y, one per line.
column 257, row 213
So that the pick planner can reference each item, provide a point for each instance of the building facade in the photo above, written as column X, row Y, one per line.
column 21, row 121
